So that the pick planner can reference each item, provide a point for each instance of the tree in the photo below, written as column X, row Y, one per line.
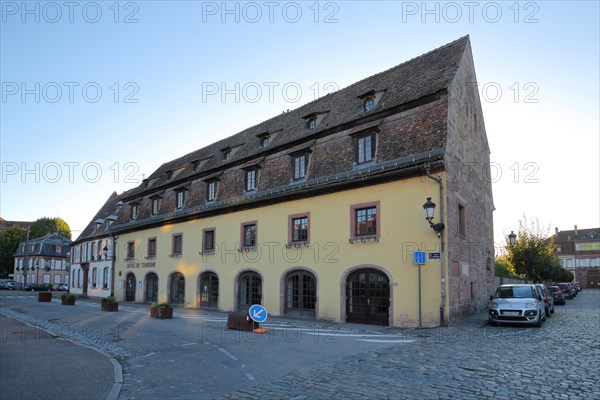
column 533, row 254
column 45, row 226
column 9, row 243
column 503, row 268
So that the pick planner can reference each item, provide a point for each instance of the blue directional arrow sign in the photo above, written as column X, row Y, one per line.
column 419, row 257
column 258, row 313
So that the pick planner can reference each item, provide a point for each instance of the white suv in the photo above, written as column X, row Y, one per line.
column 517, row 304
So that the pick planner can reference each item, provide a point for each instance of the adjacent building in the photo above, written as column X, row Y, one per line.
column 43, row 260
column 92, row 254
column 4, row 224
column 318, row 212
column 579, row 252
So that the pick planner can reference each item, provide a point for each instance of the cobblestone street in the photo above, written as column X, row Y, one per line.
column 192, row 357
column 561, row 360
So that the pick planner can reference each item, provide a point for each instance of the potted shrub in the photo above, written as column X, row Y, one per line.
column 68, row 299
column 109, row 304
column 241, row 320
column 162, row 311
column 153, row 308
column 45, row 295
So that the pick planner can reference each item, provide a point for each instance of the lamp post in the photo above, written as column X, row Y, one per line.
column 438, row 228
column 512, row 238
column 429, row 208
column 25, row 266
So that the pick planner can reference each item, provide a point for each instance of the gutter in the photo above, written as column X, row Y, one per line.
column 438, row 179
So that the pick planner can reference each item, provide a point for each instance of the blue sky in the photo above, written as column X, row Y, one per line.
column 96, row 95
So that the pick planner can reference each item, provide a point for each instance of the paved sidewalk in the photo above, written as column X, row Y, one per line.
column 36, row 365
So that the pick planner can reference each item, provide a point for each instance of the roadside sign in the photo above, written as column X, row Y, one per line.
column 419, row 257
column 258, row 313
column 434, row 256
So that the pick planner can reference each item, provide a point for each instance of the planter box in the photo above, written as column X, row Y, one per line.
column 153, row 312
column 241, row 322
column 106, row 306
column 68, row 302
column 45, row 297
column 164, row 313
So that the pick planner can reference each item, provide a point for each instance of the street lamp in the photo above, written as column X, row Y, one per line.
column 512, row 238
column 429, row 208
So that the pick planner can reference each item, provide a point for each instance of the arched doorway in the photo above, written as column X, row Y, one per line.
column 300, row 294
column 130, row 287
column 368, row 297
column 249, row 290
column 177, row 292
column 151, row 287
column 209, row 290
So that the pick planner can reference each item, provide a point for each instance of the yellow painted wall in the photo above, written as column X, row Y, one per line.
column 403, row 228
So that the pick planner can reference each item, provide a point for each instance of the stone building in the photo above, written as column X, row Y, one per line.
column 579, row 252
column 318, row 212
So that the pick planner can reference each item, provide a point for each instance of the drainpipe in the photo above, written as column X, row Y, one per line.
column 438, row 179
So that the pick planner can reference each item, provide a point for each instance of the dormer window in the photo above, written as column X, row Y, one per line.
column 135, row 210
column 211, row 190
column 155, row 205
column 180, row 198
column 251, row 179
column 311, row 124
column 195, row 166
column 227, row 154
column 169, row 175
column 370, row 99
column 364, row 147
column 264, row 141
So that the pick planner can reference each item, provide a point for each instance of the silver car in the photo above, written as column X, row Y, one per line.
column 517, row 304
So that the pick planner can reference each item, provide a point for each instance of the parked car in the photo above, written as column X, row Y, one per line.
column 33, row 287
column 558, row 295
column 3, row 283
column 548, row 299
column 517, row 304
column 566, row 289
column 64, row 287
column 11, row 285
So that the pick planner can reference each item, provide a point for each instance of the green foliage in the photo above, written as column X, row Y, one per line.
column 68, row 296
column 9, row 243
column 45, row 226
column 503, row 268
column 533, row 254
column 109, row 299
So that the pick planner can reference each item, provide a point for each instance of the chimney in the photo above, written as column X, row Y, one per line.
column 576, row 231
column 556, row 230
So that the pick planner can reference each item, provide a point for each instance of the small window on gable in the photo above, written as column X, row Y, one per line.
column 169, row 175
column 462, row 223
column 311, row 124
column 195, row 166
column 369, row 104
column 227, row 154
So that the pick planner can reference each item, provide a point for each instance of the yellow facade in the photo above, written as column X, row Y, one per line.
column 330, row 257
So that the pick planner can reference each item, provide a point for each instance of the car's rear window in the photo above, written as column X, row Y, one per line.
column 514, row 292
